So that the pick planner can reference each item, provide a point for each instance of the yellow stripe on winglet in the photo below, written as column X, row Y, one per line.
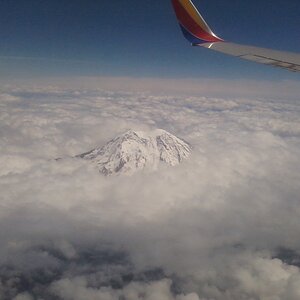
column 193, row 12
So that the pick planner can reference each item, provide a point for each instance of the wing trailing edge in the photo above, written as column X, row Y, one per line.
column 198, row 33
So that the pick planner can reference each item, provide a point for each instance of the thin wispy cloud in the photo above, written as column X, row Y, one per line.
column 44, row 59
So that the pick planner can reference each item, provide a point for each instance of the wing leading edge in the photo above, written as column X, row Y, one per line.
column 198, row 33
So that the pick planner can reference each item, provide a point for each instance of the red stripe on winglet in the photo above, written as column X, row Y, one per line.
column 188, row 22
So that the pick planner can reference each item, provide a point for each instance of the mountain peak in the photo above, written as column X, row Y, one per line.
column 136, row 150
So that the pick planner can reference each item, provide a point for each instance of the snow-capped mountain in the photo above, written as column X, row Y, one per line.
column 137, row 150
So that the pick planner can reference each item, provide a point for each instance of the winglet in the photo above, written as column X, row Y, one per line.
column 192, row 24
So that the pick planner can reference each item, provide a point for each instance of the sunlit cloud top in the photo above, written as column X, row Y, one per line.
column 222, row 225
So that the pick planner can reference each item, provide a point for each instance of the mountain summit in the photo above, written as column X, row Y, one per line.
column 136, row 150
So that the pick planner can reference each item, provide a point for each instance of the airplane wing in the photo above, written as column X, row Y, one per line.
column 198, row 33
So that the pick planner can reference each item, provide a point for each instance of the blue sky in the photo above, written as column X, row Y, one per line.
column 138, row 38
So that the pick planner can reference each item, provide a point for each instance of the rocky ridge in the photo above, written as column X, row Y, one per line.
column 136, row 150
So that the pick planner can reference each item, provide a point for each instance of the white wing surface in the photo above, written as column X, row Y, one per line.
column 198, row 33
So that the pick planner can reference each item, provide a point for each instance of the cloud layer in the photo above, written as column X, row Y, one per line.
column 221, row 226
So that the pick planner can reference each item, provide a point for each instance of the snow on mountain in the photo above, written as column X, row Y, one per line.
column 136, row 150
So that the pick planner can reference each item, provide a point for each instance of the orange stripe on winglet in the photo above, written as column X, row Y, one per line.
column 193, row 12
column 189, row 24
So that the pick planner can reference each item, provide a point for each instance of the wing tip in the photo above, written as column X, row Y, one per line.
column 192, row 24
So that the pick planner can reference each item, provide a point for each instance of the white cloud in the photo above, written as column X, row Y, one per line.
column 217, row 227
column 221, row 88
column 77, row 289
column 23, row 296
